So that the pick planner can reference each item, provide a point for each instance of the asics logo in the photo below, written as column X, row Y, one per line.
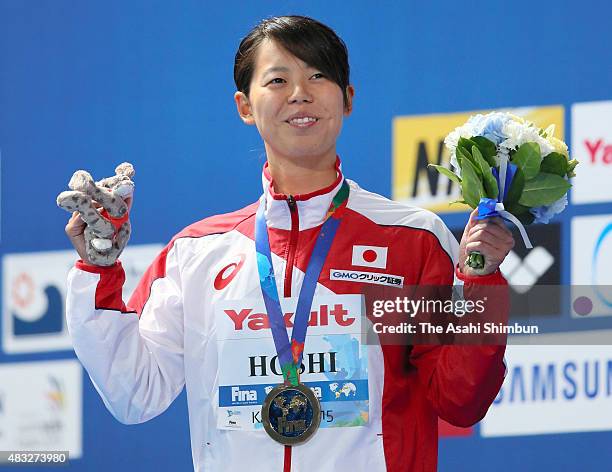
column 228, row 272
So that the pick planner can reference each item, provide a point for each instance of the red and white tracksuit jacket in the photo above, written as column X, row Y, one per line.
column 140, row 356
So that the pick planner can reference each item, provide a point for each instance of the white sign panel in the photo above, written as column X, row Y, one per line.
column 592, row 146
column 41, row 406
column 591, row 265
column 34, row 294
column 335, row 363
column 553, row 389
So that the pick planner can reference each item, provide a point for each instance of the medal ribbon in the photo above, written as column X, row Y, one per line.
column 290, row 353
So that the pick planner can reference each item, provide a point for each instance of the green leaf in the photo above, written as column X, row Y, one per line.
column 528, row 159
column 526, row 218
column 467, row 156
column 516, row 209
column 490, row 184
column 571, row 165
column 544, row 189
column 471, row 185
column 462, row 154
column 513, row 194
column 554, row 163
column 487, row 148
column 466, row 143
column 447, row 172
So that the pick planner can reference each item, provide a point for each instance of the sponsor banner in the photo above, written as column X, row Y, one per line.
column 255, row 394
column 41, row 406
column 591, row 262
column 592, row 146
column 334, row 365
column 419, row 141
column 552, row 389
column 34, row 295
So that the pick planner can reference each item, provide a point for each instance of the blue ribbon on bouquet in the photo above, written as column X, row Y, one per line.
column 489, row 207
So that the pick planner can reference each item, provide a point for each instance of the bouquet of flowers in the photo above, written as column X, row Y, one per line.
column 508, row 167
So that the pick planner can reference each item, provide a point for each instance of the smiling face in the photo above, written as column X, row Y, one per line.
column 284, row 87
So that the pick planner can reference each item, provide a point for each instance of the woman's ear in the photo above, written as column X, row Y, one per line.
column 244, row 108
column 350, row 93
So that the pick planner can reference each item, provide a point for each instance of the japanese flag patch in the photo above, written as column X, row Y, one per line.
column 370, row 256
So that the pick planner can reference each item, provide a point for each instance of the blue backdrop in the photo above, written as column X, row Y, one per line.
column 89, row 84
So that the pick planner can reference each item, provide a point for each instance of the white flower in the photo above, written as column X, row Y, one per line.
column 559, row 146
column 521, row 133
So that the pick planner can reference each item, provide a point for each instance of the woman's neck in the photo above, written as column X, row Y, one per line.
column 304, row 176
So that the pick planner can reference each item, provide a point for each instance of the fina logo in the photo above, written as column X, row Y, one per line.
column 597, row 251
column 243, row 396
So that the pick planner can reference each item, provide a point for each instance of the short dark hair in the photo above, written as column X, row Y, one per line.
column 307, row 39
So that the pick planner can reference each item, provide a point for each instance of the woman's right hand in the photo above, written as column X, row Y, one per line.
column 99, row 227
column 75, row 230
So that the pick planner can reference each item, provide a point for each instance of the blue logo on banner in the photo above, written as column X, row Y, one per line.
column 51, row 320
column 241, row 395
column 550, row 382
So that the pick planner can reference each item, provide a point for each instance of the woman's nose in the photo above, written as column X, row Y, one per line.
column 300, row 93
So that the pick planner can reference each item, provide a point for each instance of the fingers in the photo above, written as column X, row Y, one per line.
column 491, row 231
column 76, row 225
column 74, row 230
column 490, row 237
column 472, row 219
column 485, row 247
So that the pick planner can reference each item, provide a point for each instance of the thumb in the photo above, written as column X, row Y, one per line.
column 472, row 219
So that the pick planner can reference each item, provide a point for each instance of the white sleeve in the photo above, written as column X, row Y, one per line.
column 136, row 364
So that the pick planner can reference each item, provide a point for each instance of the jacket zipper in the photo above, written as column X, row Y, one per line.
column 293, row 239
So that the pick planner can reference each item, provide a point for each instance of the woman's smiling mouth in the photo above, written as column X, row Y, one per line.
column 305, row 122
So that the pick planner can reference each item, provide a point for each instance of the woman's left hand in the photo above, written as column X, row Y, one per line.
column 490, row 237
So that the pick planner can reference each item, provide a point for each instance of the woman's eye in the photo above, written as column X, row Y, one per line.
column 273, row 81
column 319, row 73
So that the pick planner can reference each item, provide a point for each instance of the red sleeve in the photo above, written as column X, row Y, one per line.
column 109, row 291
column 110, row 286
column 462, row 380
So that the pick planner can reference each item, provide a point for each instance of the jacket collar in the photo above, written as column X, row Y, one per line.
column 311, row 207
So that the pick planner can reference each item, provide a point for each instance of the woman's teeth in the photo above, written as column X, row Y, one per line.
column 303, row 121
